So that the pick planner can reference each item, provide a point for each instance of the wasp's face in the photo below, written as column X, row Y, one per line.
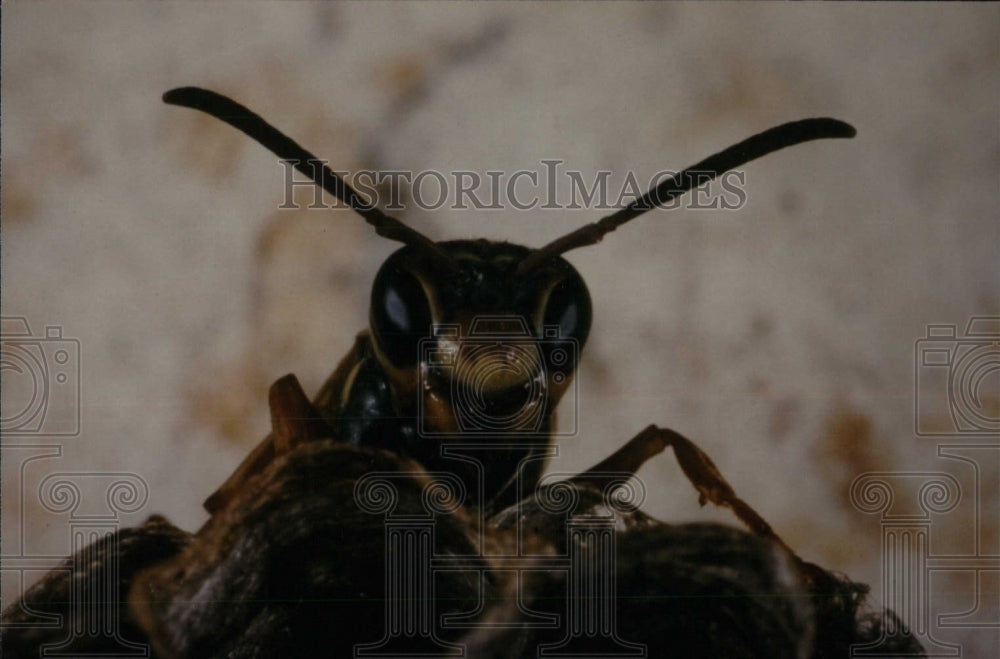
column 489, row 349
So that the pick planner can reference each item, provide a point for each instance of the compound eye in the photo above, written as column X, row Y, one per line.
column 568, row 308
column 400, row 314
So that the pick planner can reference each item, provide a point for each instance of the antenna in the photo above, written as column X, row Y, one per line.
column 710, row 168
column 243, row 119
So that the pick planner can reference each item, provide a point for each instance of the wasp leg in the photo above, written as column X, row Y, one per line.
column 627, row 459
column 697, row 466
column 294, row 421
column 712, row 486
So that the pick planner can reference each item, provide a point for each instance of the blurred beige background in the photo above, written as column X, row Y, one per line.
column 780, row 337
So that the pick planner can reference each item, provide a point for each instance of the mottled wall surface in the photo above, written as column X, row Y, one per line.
column 780, row 336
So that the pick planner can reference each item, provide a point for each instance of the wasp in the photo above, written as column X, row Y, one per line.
column 471, row 343
column 392, row 391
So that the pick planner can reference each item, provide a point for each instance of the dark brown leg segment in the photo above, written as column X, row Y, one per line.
column 697, row 466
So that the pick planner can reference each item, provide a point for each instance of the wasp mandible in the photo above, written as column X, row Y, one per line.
column 400, row 387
